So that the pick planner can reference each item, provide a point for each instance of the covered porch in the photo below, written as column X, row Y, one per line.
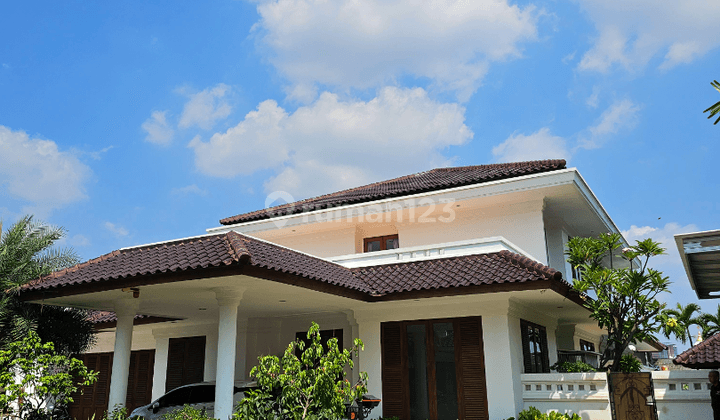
column 247, row 298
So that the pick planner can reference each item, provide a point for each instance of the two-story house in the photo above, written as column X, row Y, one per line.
column 454, row 279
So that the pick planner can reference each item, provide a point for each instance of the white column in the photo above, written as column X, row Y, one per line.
column 162, row 345
column 125, row 309
column 211, row 351
column 371, row 358
column 503, row 365
column 241, row 348
column 353, row 335
column 228, row 301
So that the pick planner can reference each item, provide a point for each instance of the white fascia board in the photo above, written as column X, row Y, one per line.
column 595, row 205
column 680, row 243
column 487, row 189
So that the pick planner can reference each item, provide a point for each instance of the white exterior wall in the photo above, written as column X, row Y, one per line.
column 690, row 398
column 142, row 339
column 522, row 224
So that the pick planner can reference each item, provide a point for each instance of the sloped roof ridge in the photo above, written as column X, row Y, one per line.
column 531, row 265
column 121, row 251
column 699, row 350
column 318, row 202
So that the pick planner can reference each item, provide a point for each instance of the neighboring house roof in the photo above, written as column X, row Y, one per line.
column 107, row 319
column 700, row 254
column 705, row 355
column 433, row 180
column 234, row 254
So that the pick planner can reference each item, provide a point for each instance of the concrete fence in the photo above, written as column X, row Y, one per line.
column 679, row 395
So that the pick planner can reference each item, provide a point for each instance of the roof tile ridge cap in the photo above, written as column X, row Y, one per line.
column 246, row 238
column 554, row 162
column 318, row 197
column 531, row 265
column 237, row 246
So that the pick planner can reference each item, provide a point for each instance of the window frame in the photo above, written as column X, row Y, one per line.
column 382, row 239
column 539, row 364
column 587, row 345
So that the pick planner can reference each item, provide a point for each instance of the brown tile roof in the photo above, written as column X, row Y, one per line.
column 433, row 180
column 196, row 254
column 454, row 272
column 108, row 318
column 705, row 355
column 197, row 257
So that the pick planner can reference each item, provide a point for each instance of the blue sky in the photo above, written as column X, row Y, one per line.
column 135, row 122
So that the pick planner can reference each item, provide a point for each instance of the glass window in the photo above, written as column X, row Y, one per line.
column 202, row 394
column 175, row 397
column 381, row 243
column 535, row 350
column 587, row 346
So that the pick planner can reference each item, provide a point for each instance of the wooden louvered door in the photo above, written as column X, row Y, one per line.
column 93, row 399
column 186, row 361
column 140, row 380
column 434, row 369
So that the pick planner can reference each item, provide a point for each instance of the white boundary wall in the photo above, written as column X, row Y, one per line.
column 679, row 395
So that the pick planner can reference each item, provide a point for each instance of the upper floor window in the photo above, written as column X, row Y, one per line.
column 587, row 346
column 381, row 243
column 535, row 348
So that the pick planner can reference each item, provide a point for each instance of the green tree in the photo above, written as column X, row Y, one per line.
column 27, row 253
column 625, row 299
column 710, row 324
column 311, row 386
column 38, row 381
column 714, row 109
column 677, row 322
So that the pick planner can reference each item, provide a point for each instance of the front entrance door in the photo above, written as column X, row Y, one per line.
column 434, row 369
column 632, row 396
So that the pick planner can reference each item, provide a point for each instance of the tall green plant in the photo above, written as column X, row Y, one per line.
column 37, row 381
column 715, row 108
column 623, row 301
column 677, row 322
column 311, row 386
column 710, row 324
column 27, row 253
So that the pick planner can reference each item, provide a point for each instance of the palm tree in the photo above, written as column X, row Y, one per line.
column 678, row 321
column 27, row 253
column 715, row 109
column 710, row 324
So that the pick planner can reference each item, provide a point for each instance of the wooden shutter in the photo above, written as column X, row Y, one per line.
column 186, row 362
column 472, row 390
column 527, row 361
column 139, row 391
column 394, row 386
column 93, row 399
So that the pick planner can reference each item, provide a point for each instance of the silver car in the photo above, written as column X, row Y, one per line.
column 200, row 395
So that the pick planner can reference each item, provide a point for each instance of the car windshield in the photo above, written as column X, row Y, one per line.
column 201, row 394
column 175, row 397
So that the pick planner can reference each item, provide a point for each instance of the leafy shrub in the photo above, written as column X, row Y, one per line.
column 568, row 367
column 186, row 413
column 533, row 413
column 117, row 413
column 629, row 363
column 309, row 387
column 38, row 381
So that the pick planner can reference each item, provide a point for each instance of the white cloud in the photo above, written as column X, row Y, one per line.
column 187, row 190
column 632, row 32
column 619, row 116
column 539, row 145
column 157, row 128
column 205, row 108
column 333, row 144
column 116, row 230
column 37, row 171
column 593, row 100
column 664, row 235
column 365, row 44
